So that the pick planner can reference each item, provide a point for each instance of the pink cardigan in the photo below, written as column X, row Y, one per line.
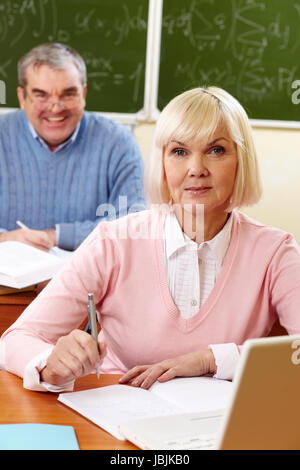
column 259, row 279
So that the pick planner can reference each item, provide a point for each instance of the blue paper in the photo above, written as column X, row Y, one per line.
column 34, row 436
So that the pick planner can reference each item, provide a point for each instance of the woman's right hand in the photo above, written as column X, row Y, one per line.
column 73, row 356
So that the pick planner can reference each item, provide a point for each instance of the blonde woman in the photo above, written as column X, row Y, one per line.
column 178, row 287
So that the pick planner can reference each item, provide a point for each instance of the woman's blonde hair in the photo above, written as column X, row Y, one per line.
column 195, row 114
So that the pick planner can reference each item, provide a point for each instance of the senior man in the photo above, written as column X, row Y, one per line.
column 58, row 162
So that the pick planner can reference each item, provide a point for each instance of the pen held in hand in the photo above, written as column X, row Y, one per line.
column 93, row 322
column 21, row 225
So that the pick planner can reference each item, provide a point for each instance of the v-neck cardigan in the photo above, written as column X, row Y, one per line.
column 122, row 262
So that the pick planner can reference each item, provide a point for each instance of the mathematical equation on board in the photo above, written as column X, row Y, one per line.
column 105, row 73
column 237, row 34
column 97, row 33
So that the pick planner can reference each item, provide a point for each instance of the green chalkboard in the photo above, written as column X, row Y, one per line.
column 251, row 48
column 111, row 35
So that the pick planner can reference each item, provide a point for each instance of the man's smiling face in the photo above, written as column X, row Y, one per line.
column 53, row 101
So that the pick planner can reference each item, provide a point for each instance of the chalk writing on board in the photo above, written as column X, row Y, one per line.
column 204, row 35
column 98, row 79
column 3, row 68
column 296, row 93
column 15, row 24
column 110, row 35
column 249, row 47
column 89, row 21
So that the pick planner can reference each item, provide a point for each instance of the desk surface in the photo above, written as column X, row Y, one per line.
column 18, row 405
column 12, row 305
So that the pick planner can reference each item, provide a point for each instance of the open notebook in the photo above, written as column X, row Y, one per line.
column 22, row 265
column 110, row 406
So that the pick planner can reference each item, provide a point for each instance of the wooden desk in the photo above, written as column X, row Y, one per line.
column 12, row 305
column 18, row 405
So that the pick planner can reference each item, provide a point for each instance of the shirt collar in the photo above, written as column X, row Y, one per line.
column 175, row 239
column 45, row 145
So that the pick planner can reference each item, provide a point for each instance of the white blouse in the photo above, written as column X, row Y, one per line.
column 192, row 270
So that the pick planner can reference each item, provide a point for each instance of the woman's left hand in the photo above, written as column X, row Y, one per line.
column 189, row 365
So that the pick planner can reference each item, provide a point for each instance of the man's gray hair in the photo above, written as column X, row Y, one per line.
column 55, row 55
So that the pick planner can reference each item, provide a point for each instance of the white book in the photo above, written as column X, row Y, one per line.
column 22, row 265
column 109, row 407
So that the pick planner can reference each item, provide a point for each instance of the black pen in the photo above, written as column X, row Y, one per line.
column 93, row 323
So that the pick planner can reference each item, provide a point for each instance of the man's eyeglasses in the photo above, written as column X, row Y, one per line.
column 45, row 101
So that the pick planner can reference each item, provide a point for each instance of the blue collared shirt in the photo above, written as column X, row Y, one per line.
column 45, row 145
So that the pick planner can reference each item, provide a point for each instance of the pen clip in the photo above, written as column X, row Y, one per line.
column 93, row 322
column 91, row 302
column 92, row 315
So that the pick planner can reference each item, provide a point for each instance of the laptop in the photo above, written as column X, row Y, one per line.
column 263, row 413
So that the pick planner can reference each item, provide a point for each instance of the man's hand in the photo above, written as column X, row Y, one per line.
column 189, row 365
column 41, row 239
column 52, row 235
column 72, row 357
